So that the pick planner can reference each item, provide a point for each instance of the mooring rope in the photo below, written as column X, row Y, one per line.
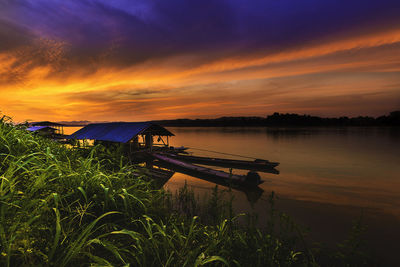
column 221, row 153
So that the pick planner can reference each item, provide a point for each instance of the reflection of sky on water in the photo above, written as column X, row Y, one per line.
column 328, row 176
column 345, row 166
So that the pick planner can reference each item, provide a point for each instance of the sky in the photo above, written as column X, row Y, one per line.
column 136, row 60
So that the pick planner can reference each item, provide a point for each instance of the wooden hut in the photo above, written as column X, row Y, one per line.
column 46, row 131
column 58, row 126
column 139, row 135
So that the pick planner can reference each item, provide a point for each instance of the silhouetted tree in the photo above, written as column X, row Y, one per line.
column 288, row 120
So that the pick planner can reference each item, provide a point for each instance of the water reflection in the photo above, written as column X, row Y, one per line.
column 328, row 176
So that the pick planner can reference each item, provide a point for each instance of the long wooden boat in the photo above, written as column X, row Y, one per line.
column 256, row 165
column 251, row 179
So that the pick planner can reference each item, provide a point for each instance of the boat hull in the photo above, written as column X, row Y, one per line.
column 258, row 165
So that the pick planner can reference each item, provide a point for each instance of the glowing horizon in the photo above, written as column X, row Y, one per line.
column 135, row 61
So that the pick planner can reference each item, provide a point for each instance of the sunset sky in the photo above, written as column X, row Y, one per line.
column 136, row 60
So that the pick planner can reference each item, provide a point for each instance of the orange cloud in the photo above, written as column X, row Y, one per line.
column 39, row 86
column 361, row 42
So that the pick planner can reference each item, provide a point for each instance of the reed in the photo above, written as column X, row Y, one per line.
column 61, row 207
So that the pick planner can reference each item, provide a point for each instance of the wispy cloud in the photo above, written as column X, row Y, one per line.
column 138, row 59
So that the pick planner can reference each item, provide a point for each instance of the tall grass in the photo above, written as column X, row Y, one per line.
column 63, row 207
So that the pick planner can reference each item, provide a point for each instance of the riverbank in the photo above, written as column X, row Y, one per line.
column 286, row 120
column 89, row 206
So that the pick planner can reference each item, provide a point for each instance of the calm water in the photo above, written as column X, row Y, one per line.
column 328, row 177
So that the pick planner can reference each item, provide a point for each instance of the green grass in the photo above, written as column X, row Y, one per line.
column 63, row 207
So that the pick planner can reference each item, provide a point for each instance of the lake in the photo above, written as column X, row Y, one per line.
column 329, row 177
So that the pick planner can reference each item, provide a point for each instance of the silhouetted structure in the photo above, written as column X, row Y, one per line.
column 45, row 131
column 58, row 126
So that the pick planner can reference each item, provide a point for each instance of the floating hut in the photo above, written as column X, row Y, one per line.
column 137, row 139
column 138, row 135
column 58, row 126
column 46, row 131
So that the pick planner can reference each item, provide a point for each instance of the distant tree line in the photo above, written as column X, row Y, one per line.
column 288, row 120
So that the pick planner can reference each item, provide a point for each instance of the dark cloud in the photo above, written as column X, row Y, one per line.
column 26, row 57
column 290, row 23
column 180, row 26
column 123, row 33
column 12, row 36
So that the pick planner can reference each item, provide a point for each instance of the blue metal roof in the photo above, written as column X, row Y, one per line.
column 36, row 128
column 120, row 132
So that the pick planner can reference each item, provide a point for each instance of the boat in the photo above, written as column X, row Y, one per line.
column 160, row 176
column 256, row 165
column 179, row 149
column 251, row 179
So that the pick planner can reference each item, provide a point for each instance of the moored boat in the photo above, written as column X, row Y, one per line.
column 256, row 165
column 252, row 179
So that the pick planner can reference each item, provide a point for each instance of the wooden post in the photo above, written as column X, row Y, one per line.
column 148, row 141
